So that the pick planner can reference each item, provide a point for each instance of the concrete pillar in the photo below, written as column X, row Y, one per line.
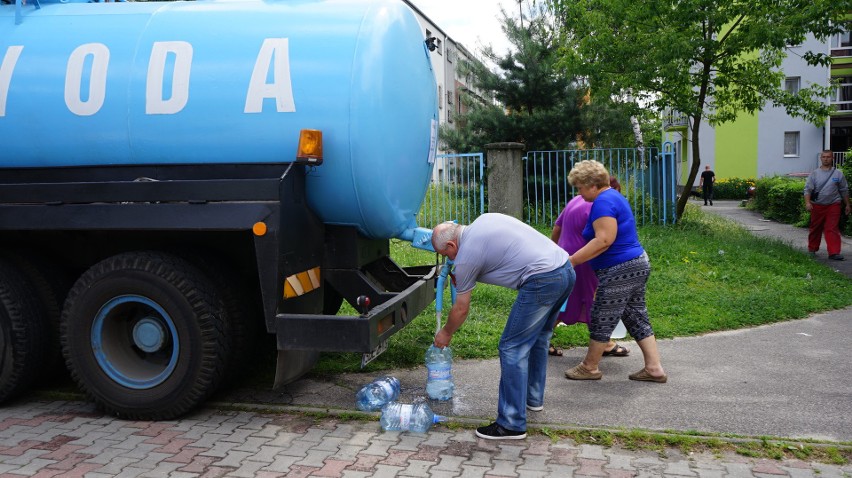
column 505, row 178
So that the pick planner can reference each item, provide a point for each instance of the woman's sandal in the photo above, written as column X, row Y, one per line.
column 617, row 351
column 644, row 376
column 581, row 373
column 554, row 351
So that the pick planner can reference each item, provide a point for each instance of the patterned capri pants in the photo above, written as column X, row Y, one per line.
column 621, row 296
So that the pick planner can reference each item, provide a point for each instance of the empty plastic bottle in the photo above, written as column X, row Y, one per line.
column 416, row 417
column 377, row 394
column 439, row 363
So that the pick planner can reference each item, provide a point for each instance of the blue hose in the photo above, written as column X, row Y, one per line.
column 439, row 292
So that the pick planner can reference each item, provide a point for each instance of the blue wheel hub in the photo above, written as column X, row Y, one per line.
column 149, row 334
column 135, row 342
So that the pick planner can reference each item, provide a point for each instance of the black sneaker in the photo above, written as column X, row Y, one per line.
column 836, row 257
column 496, row 432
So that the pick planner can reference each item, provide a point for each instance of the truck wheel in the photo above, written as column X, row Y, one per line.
column 142, row 334
column 50, row 284
column 244, row 320
column 22, row 333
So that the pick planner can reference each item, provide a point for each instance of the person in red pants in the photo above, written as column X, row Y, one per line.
column 825, row 189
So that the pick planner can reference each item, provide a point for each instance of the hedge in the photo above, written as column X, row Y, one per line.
column 732, row 188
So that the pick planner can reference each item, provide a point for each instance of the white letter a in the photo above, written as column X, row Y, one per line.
column 274, row 51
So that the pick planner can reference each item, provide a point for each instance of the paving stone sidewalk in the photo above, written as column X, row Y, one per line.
column 73, row 439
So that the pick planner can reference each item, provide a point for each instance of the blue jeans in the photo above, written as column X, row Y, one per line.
column 523, row 346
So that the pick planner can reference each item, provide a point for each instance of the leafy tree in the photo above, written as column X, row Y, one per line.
column 536, row 102
column 709, row 59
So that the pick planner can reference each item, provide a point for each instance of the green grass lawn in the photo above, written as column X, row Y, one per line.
column 707, row 274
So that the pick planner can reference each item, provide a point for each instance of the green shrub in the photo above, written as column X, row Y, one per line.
column 762, row 187
column 847, row 172
column 786, row 201
column 732, row 188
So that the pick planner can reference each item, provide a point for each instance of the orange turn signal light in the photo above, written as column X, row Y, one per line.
column 310, row 146
column 259, row 229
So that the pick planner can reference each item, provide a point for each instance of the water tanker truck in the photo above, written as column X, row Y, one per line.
column 181, row 182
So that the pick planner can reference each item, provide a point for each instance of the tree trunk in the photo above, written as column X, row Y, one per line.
column 693, row 171
column 638, row 139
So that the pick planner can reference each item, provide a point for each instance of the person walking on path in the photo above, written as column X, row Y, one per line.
column 501, row 250
column 622, row 267
column 708, row 177
column 825, row 189
column 568, row 233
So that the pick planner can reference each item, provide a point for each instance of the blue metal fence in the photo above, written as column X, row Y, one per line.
column 647, row 179
column 457, row 190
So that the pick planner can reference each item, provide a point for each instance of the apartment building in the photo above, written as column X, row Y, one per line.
column 452, row 85
column 771, row 142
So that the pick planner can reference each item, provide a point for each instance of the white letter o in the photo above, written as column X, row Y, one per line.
column 97, row 79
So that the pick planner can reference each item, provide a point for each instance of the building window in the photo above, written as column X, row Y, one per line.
column 792, row 84
column 440, row 46
column 841, row 44
column 440, row 97
column 842, row 98
column 791, row 144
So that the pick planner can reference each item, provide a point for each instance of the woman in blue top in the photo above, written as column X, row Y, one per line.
column 622, row 267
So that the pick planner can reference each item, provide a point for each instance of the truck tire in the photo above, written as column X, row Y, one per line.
column 22, row 332
column 50, row 284
column 244, row 318
column 143, row 334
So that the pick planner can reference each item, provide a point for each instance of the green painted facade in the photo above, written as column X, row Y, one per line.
column 736, row 147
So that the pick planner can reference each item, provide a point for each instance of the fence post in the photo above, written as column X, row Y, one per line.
column 505, row 178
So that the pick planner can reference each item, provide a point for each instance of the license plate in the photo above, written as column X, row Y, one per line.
column 370, row 356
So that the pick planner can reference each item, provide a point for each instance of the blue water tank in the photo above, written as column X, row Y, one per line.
column 85, row 84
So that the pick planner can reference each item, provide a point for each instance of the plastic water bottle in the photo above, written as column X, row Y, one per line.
column 439, row 363
column 416, row 417
column 377, row 394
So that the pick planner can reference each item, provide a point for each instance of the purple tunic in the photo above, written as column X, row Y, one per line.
column 572, row 220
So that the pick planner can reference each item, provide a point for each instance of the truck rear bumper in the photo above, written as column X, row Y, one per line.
column 363, row 333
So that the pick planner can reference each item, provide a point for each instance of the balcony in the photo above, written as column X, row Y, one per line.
column 841, row 45
column 674, row 121
column 842, row 97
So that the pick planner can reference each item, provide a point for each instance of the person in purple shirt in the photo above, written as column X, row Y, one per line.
column 621, row 265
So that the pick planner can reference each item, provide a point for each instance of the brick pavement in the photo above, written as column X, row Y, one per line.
column 73, row 439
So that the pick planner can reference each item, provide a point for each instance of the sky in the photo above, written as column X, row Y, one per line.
column 472, row 23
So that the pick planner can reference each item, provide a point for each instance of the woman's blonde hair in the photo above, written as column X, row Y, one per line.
column 589, row 173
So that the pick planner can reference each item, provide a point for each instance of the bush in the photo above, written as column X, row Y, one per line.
column 847, row 172
column 762, row 187
column 786, row 201
column 780, row 198
column 732, row 188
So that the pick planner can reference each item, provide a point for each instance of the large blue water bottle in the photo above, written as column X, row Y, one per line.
column 439, row 363
column 416, row 417
column 377, row 394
